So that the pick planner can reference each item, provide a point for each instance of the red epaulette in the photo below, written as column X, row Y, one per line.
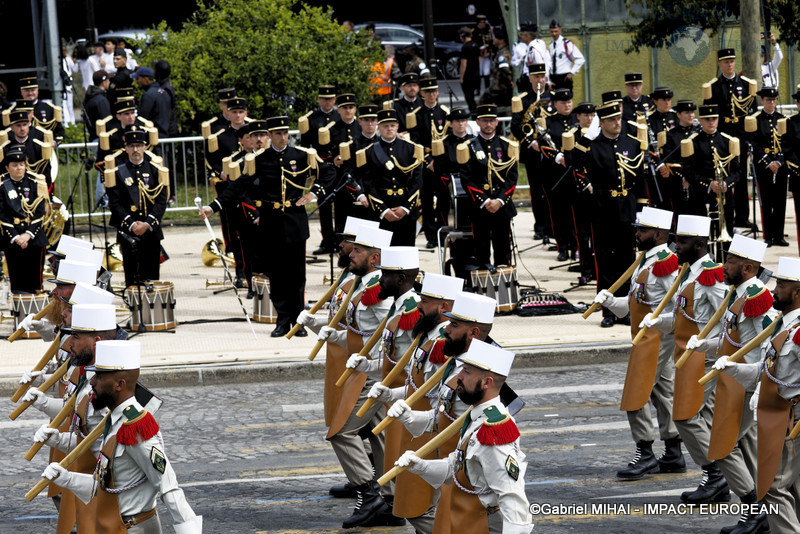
column 758, row 302
column 498, row 429
column 712, row 273
column 139, row 425
column 796, row 337
column 370, row 295
column 410, row 314
column 437, row 356
column 665, row 266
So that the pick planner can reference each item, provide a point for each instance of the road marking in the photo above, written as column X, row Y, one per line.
column 556, row 481
column 594, row 427
column 569, row 389
column 302, row 407
column 24, row 423
column 29, row 517
column 261, row 480
column 662, row 493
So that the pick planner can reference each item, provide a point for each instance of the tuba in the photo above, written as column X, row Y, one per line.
column 54, row 221
column 112, row 260
column 211, row 253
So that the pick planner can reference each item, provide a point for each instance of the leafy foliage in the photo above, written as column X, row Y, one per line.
column 270, row 50
column 656, row 20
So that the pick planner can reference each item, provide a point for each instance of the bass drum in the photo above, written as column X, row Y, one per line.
column 502, row 286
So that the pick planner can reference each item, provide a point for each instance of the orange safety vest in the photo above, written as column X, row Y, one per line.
column 381, row 80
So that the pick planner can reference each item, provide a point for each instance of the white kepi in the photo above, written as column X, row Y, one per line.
column 654, row 218
column 399, row 259
column 439, row 286
column 485, row 356
column 472, row 308
column 693, row 226
column 788, row 269
column 748, row 248
column 116, row 355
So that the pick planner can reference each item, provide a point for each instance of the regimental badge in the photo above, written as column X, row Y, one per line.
column 145, row 175
column 499, row 154
column 129, row 181
column 480, row 155
column 419, row 360
column 731, row 321
column 158, row 460
column 625, row 153
column 12, row 194
column 512, row 467
column 739, row 91
column 293, row 165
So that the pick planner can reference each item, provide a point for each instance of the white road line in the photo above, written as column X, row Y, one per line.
column 23, row 423
column 302, row 407
column 616, row 425
column 226, row 481
column 662, row 493
column 569, row 389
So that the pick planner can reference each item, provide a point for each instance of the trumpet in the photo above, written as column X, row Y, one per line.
column 219, row 282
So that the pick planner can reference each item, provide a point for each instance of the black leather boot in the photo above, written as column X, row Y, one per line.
column 644, row 461
column 672, row 460
column 369, row 504
column 386, row 519
column 713, row 487
column 749, row 523
column 347, row 491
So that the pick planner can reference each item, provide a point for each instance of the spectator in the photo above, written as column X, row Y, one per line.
column 155, row 103
column 501, row 86
column 566, row 59
column 123, row 76
column 482, row 35
column 68, row 66
column 92, row 64
column 162, row 72
column 414, row 63
column 108, row 56
column 469, row 73
column 769, row 69
column 96, row 105
column 4, row 103
column 132, row 64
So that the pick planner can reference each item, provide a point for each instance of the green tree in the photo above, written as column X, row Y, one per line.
column 270, row 50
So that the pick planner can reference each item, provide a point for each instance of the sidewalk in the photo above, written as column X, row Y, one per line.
column 211, row 328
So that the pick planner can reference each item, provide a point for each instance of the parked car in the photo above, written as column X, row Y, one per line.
column 401, row 36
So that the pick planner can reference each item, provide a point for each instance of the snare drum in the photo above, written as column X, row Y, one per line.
column 157, row 305
column 501, row 286
column 263, row 312
column 22, row 305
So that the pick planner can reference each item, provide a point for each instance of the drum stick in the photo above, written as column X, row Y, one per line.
column 336, row 319
column 50, row 382
column 740, row 354
column 70, row 458
column 616, row 285
column 663, row 304
column 41, row 313
column 391, row 375
column 414, row 397
column 65, row 412
column 708, row 327
column 315, row 308
column 376, row 335
column 48, row 354
column 199, row 203
column 440, row 439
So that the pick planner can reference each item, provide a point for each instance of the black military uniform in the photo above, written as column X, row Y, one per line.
column 45, row 114
column 582, row 203
column 425, row 126
column 138, row 192
column 683, row 202
column 526, row 108
column 764, row 133
column 38, row 145
column 219, row 144
column 23, row 204
column 403, row 105
column 712, row 157
column 282, row 225
column 631, row 109
column 658, row 121
column 558, row 187
column 309, row 126
column 615, row 169
column 735, row 99
column 122, row 78
column 489, row 170
column 111, row 131
column 446, row 167
column 353, row 187
column 793, row 157
column 391, row 174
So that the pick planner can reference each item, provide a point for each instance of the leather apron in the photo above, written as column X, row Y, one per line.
column 394, row 432
column 85, row 463
column 688, row 396
column 643, row 360
column 66, row 509
column 467, row 514
column 729, row 396
column 109, row 518
column 335, row 359
column 442, row 519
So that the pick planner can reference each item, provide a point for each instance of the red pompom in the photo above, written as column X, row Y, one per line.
column 796, row 337
column 709, row 277
column 370, row 295
column 498, row 433
column 437, row 356
column 408, row 320
column 758, row 305
column 666, row 266
column 144, row 426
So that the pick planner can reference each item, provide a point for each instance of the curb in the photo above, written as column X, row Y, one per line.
column 244, row 373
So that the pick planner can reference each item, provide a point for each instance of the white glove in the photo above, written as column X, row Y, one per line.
column 80, row 484
column 744, row 373
column 659, row 322
column 357, row 362
column 434, row 472
column 385, row 394
column 605, row 296
column 43, row 327
column 414, row 463
column 34, row 396
column 26, row 323
column 754, row 402
column 399, row 410
column 325, row 332
column 43, row 402
column 701, row 345
column 305, row 318
column 34, row 378
column 414, row 421
column 44, row 433
column 193, row 526
column 57, row 474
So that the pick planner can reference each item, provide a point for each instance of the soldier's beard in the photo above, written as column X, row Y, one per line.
column 343, row 261
column 425, row 323
column 454, row 347
column 647, row 244
column 780, row 304
column 82, row 358
column 469, row 398
column 102, row 401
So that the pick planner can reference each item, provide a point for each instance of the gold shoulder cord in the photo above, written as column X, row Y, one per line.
column 496, row 167
column 149, row 195
column 284, row 203
column 742, row 104
column 406, row 170
column 628, row 165
column 722, row 162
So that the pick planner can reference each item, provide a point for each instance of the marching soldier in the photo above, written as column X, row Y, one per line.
column 710, row 160
column 489, row 166
column 734, row 97
column 390, row 170
column 365, row 313
column 650, row 373
column 36, row 142
column 310, row 126
column 635, row 104
column 414, row 499
column 554, row 166
column 45, row 114
column 488, row 468
column 526, row 109
column 132, row 468
column 773, row 400
column 280, row 197
column 669, row 161
column 699, row 295
column 138, row 190
column 733, row 430
column 613, row 164
column 767, row 129
column 220, row 144
column 426, row 124
column 23, row 203
column 408, row 101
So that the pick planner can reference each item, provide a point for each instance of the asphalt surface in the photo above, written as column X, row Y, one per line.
column 251, row 458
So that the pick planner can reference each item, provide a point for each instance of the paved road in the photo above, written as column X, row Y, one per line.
column 252, row 459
